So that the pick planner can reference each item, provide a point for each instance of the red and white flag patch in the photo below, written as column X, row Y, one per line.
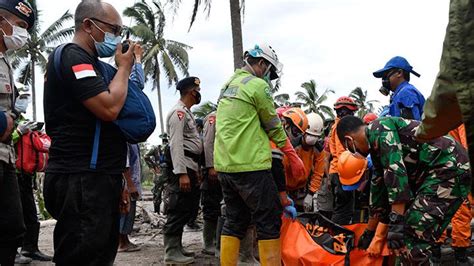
column 180, row 115
column 83, row 71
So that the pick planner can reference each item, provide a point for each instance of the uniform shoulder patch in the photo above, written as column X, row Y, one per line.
column 212, row 119
column 83, row 71
column 180, row 115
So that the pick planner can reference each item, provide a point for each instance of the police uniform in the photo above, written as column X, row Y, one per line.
column 12, row 226
column 211, row 191
column 185, row 150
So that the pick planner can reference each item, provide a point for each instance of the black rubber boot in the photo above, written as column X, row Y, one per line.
column 209, row 237
column 173, row 253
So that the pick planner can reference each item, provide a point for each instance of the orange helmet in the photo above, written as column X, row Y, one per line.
column 298, row 117
column 350, row 168
column 369, row 117
column 347, row 102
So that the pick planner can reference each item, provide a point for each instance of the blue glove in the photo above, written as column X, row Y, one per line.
column 370, row 165
column 290, row 212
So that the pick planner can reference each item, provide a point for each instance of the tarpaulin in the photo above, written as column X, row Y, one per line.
column 312, row 239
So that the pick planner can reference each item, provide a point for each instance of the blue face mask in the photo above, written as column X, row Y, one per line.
column 108, row 47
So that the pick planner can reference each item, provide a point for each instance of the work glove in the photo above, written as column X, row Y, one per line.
column 380, row 238
column 308, row 203
column 396, row 232
column 295, row 163
column 290, row 210
column 25, row 127
column 365, row 239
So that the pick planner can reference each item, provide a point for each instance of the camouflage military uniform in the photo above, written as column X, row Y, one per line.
column 432, row 179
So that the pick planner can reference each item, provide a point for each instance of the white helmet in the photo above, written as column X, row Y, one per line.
column 316, row 125
column 267, row 52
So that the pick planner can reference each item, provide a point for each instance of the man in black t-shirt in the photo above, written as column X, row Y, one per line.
column 82, row 198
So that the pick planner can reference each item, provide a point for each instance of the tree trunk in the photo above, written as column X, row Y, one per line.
column 158, row 91
column 33, row 89
column 235, row 19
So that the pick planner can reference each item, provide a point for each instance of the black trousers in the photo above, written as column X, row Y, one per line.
column 182, row 205
column 86, row 207
column 251, row 196
column 343, row 202
column 211, row 197
column 12, row 227
column 30, row 213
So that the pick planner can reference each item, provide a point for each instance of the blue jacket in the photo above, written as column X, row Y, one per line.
column 406, row 96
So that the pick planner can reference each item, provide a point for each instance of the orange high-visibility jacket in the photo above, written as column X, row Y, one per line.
column 459, row 134
column 314, row 163
column 335, row 146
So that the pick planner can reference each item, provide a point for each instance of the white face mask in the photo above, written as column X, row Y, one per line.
column 21, row 104
column 18, row 38
column 310, row 140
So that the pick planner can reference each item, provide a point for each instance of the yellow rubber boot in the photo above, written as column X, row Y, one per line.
column 270, row 252
column 230, row 246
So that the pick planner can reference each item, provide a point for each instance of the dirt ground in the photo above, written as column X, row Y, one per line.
column 148, row 235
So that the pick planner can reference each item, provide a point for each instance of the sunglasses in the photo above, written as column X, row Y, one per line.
column 116, row 29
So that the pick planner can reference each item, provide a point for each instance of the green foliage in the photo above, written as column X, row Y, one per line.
column 360, row 97
column 161, row 55
column 282, row 100
column 38, row 47
column 204, row 109
column 312, row 102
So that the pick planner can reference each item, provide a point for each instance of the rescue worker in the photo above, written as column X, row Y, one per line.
column 343, row 200
column 246, row 120
column 310, row 150
column 424, row 184
column 185, row 150
column 461, row 222
column 452, row 98
column 406, row 101
column 17, row 17
column 211, row 189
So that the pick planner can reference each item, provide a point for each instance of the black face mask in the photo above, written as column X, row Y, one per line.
column 342, row 112
column 386, row 88
column 197, row 97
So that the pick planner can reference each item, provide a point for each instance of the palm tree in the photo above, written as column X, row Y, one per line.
column 282, row 99
column 313, row 101
column 161, row 54
column 204, row 109
column 360, row 97
column 237, row 8
column 37, row 49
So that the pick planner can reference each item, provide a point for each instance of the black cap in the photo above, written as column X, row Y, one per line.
column 187, row 83
column 21, row 9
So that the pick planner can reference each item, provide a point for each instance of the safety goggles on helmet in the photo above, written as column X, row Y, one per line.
column 268, row 53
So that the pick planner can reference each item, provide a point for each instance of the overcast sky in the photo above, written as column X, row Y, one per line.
column 339, row 43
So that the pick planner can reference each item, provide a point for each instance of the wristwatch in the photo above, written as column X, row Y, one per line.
column 396, row 218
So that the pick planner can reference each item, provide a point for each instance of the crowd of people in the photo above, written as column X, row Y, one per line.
column 404, row 172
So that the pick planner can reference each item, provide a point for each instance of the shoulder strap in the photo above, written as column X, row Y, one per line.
column 57, row 68
column 57, row 60
column 95, row 146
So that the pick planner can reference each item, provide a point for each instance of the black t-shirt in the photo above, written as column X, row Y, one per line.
column 71, row 125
